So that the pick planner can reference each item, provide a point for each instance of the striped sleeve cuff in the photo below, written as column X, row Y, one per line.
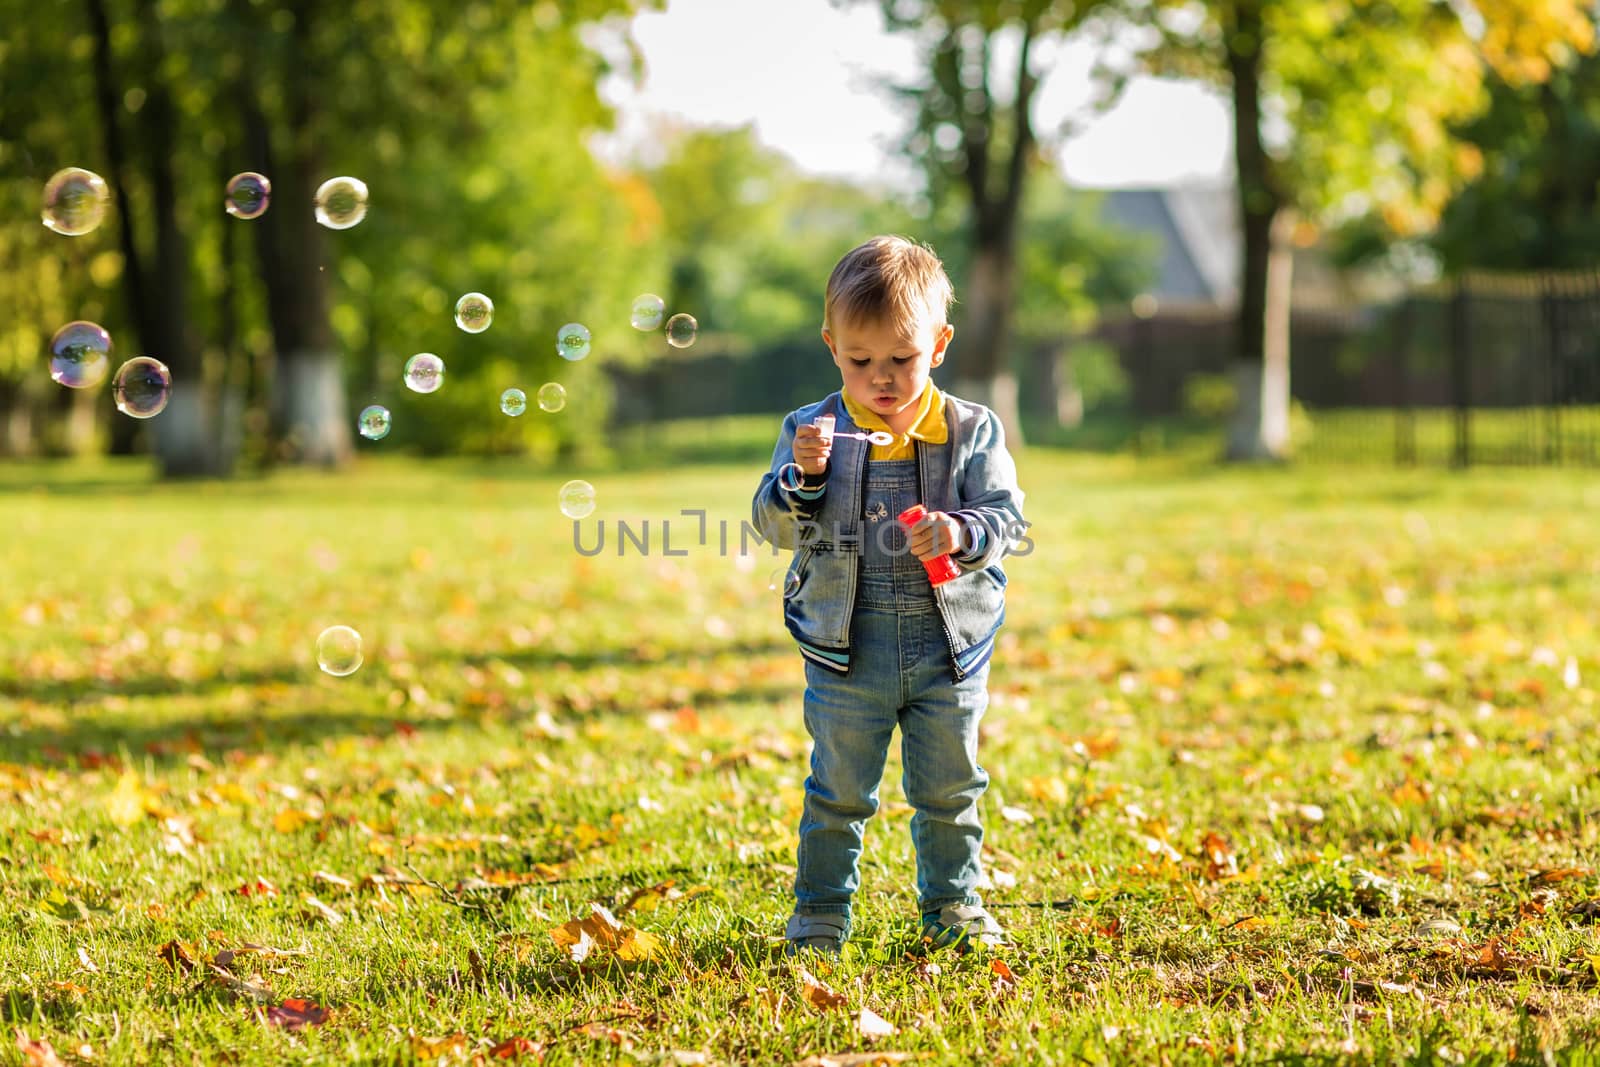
column 974, row 540
column 811, row 487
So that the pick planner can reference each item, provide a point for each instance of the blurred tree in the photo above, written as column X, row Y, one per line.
column 975, row 138
column 1072, row 264
column 1342, row 110
column 1536, row 203
column 408, row 77
column 468, row 119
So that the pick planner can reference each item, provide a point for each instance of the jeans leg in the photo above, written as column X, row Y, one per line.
column 850, row 727
column 943, row 781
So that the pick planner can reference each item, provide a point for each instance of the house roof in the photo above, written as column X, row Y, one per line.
column 1198, row 228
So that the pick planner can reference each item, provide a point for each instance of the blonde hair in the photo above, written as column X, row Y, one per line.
column 888, row 278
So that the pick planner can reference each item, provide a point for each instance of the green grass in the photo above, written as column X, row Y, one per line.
column 1274, row 730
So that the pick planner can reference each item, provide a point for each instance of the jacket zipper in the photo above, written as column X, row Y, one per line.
column 938, row 600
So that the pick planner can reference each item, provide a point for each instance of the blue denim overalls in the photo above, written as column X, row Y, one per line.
column 900, row 672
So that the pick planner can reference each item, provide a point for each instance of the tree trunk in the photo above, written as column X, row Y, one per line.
column 159, row 300
column 124, row 432
column 16, row 419
column 309, row 422
column 1064, row 382
column 1260, row 372
column 978, row 352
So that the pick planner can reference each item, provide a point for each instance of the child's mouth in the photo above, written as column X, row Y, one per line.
column 884, row 399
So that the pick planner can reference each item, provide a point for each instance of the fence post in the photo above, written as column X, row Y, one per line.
column 1461, row 374
column 1405, row 421
column 1551, row 307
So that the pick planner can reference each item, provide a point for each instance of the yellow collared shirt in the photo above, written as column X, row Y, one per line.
column 928, row 426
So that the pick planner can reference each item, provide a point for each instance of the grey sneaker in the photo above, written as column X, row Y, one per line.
column 961, row 927
column 819, row 933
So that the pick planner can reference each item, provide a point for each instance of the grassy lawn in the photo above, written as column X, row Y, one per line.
column 1286, row 764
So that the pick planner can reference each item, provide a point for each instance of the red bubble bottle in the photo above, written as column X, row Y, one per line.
column 940, row 568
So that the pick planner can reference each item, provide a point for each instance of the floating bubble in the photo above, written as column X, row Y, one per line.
column 424, row 372
column 577, row 499
column 552, row 397
column 80, row 355
column 75, row 201
column 339, row 651
column 141, row 387
column 474, row 312
column 648, row 310
column 247, row 195
column 784, row 581
column 572, row 341
column 790, row 476
column 681, row 330
column 374, row 422
column 341, row 202
column 513, row 402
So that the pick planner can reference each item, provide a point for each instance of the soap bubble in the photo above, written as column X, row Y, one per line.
column 577, row 499
column 374, row 422
column 681, row 330
column 790, row 476
column 784, row 581
column 75, row 201
column 648, row 309
column 513, row 402
column 141, row 387
column 341, row 202
column 339, row 651
column 572, row 341
column 247, row 195
column 552, row 397
column 474, row 312
column 424, row 372
column 80, row 355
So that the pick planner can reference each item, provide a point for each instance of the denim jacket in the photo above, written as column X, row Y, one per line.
column 971, row 476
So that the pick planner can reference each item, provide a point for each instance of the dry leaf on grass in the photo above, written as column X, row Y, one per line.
column 816, row 994
column 316, row 909
column 602, row 1032
column 515, row 1047
column 36, row 1053
column 872, row 1026
column 602, row 930
column 434, row 1048
column 1004, row 981
column 176, row 956
column 854, row 1059
column 295, row 1013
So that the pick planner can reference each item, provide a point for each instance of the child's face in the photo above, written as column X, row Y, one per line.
column 884, row 366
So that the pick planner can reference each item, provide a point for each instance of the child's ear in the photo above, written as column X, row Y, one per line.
column 827, row 339
column 941, row 341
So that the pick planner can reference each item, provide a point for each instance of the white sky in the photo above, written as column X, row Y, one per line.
column 804, row 71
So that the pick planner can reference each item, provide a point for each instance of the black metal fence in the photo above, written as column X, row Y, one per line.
column 1494, row 369
column 1481, row 369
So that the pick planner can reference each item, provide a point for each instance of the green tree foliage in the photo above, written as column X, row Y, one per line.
column 1533, row 206
column 468, row 120
column 1342, row 111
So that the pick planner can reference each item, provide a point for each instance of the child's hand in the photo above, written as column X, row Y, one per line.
column 935, row 535
column 811, row 450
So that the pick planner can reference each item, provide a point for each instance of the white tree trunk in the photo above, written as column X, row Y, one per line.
column 191, row 438
column 16, row 431
column 1069, row 398
column 1000, row 396
column 1259, row 429
column 310, row 395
